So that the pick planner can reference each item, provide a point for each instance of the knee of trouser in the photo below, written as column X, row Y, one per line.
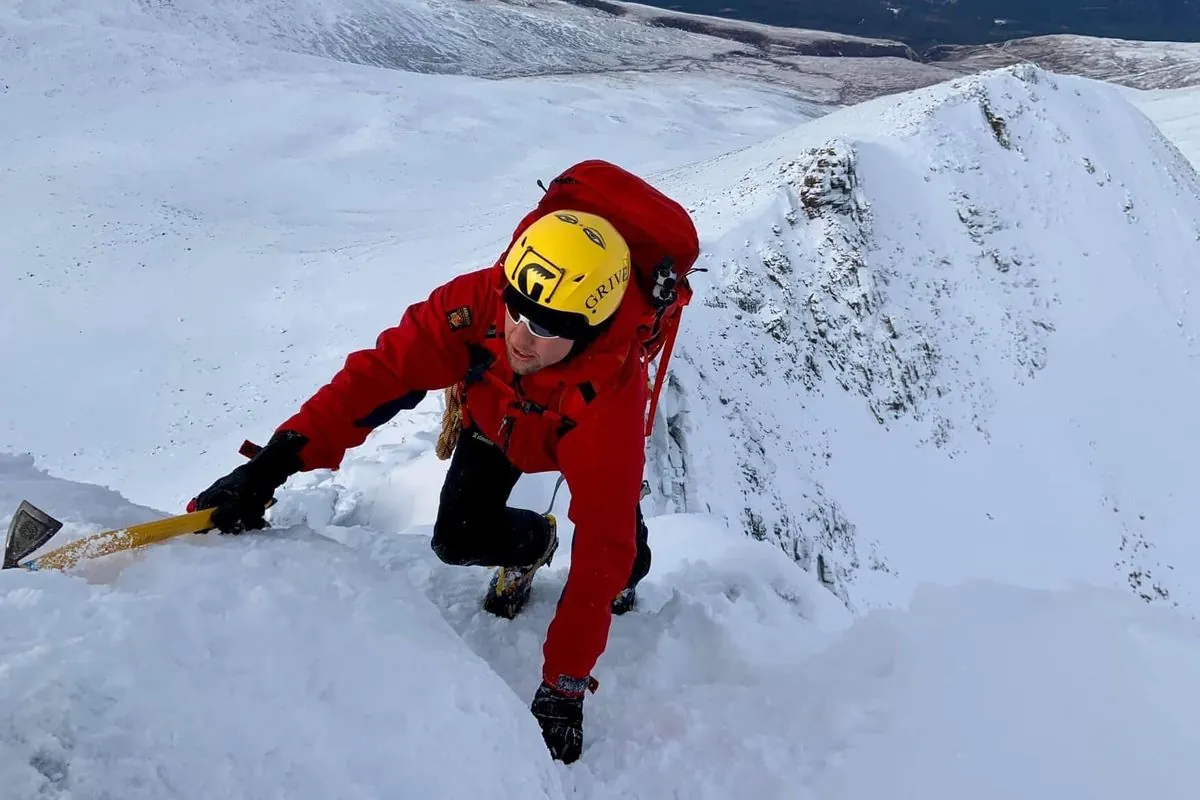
column 448, row 547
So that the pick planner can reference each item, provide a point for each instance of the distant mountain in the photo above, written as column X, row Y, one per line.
column 1140, row 65
column 511, row 38
column 863, row 68
column 488, row 38
column 926, row 23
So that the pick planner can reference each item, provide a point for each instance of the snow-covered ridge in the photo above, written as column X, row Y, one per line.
column 490, row 38
column 496, row 39
column 486, row 38
column 508, row 38
column 1174, row 112
column 1139, row 65
column 949, row 331
column 769, row 38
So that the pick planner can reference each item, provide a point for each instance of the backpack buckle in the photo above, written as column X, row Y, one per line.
column 664, row 293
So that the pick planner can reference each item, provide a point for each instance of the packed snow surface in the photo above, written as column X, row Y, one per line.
column 271, row 666
column 306, row 666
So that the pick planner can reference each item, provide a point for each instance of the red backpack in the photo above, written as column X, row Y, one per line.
column 662, row 242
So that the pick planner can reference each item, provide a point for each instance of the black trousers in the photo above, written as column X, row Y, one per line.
column 475, row 525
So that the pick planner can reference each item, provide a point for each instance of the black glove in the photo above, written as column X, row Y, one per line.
column 561, row 718
column 240, row 498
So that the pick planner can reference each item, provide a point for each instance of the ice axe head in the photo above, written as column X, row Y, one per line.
column 29, row 530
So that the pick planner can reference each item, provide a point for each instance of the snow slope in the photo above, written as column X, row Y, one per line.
column 286, row 664
column 950, row 334
column 272, row 666
column 771, row 38
column 1177, row 113
column 943, row 346
column 503, row 39
column 194, row 234
column 482, row 37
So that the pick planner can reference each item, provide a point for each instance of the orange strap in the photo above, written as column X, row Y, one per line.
column 661, row 376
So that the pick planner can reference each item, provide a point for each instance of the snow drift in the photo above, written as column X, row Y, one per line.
column 948, row 334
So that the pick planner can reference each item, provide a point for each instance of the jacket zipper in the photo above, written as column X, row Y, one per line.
column 509, row 422
column 506, row 426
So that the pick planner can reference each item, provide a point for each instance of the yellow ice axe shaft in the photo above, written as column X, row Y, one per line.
column 101, row 544
column 31, row 528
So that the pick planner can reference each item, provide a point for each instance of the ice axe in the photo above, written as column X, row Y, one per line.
column 31, row 528
column 35, row 528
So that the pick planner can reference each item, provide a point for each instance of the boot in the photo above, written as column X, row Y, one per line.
column 510, row 586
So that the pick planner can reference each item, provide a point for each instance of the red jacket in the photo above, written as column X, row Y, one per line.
column 600, row 395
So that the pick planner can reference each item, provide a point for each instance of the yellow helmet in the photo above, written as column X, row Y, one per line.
column 569, row 271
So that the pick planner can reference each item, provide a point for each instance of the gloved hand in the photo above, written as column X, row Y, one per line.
column 561, row 718
column 240, row 498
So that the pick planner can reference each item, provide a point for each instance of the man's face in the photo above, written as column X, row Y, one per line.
column 528, row 353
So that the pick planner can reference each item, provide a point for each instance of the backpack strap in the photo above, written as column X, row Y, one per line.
column 480, row 359
column 454, row 417
column 672, row 327
column 670, row 294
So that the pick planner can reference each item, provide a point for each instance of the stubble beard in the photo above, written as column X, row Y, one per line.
column 522, row 367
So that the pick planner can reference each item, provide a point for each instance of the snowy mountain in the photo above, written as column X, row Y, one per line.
column 1174, row 112
column 488, row 38
column 819, row 66
column 204, row 230
column 940, row 362
column 770, row 38
column 963, row 319
column 1141, row 65
column 507, row 38
column 926, row 23
column 498, row 39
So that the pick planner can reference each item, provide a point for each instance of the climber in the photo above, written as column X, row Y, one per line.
column 544, row 358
